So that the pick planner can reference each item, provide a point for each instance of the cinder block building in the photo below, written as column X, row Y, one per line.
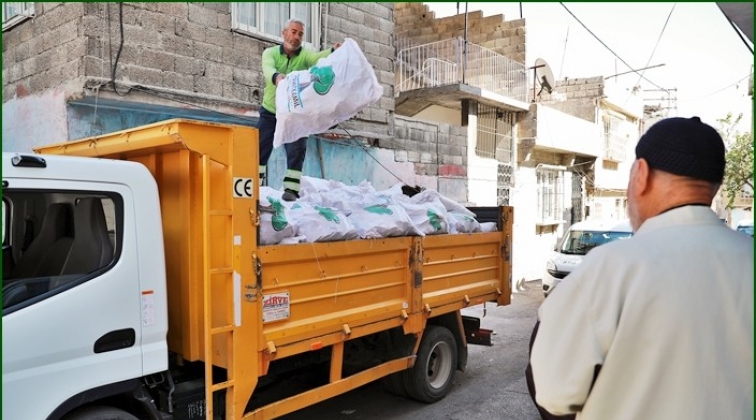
column 459, row 117
column 557, row 158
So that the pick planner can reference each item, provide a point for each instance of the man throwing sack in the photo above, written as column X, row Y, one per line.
column 277, row 62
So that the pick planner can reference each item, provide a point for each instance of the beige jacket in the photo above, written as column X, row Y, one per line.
column 667, row 314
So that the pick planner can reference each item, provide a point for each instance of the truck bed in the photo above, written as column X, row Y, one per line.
column 238, row 305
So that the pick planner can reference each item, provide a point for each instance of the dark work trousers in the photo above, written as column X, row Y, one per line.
column 295, row 152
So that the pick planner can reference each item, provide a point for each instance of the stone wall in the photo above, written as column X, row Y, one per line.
column 435, row 149
column 579, row 96
column 44, row 52
column 416, row 22
column 186, row 49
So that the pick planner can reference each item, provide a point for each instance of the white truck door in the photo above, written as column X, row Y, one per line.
column 69, row 329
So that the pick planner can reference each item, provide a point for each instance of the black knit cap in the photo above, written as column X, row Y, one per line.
column 684, row 146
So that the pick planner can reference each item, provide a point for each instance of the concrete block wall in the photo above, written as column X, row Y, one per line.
column 416, row 22
column 581, row 96
column 371, row 25
column 436, row 146
column 187, row 49
column 44, row 52
column 436, row 149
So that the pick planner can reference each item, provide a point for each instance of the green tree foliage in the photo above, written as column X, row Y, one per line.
column 739, row 168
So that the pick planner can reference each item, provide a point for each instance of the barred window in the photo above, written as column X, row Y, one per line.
column 550, row 195
column 616, row 137
column 266, row 20
column 495, row 139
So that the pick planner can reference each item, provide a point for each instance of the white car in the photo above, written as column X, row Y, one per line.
column 576, row 242
column 745, row 226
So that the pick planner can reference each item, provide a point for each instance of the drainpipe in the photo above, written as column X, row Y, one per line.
column 324, row 37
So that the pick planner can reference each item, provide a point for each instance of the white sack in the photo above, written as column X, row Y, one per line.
column 275, row 225
column 378, row 216
column 334, row 90
column 462, row 223
column 429, row 218
column 321, row 224
column 426, row 196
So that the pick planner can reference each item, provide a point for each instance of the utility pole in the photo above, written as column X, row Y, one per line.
column 671, row 99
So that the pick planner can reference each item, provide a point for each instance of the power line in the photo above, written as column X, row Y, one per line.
column 717, row 91
column 606, row 46
column 657, row 43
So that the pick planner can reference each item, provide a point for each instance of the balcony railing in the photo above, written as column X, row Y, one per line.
column 448, row 62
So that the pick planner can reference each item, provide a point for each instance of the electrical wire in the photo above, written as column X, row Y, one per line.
column 607, row 47
column 717, row 91
column 656, row 45
column 118, row 54
column 352, row 140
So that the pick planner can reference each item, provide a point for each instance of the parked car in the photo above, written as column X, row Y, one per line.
column 745, row 226
column 580, row 238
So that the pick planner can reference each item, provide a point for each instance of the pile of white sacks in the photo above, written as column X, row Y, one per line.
column 332, row 211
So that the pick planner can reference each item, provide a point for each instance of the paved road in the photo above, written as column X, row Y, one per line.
column 492, row 387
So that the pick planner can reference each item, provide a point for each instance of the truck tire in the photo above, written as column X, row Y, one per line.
column 101, row 413
column 394, row 384
column 430, row 379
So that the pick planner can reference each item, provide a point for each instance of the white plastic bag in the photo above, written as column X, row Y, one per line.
column 429, row 218
column 321, row 224
column 275, row 225
column 334, row 90
column 462, row 223
column 378, row 216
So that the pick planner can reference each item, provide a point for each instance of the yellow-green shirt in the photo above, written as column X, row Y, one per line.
column 275, row 62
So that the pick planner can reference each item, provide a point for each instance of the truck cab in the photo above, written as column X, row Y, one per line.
column 84, row 307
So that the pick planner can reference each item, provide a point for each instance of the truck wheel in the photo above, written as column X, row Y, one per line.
column 101, row 413
column 394, row 384
column 430, row 379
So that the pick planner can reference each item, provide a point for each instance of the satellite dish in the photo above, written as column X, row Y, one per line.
column 544, row 75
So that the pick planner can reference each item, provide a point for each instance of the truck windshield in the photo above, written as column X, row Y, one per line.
column 579, row 242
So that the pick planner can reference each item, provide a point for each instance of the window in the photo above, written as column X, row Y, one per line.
column 495, row 128
column 266, row 20
column 5, row 226
column 616, row 137
column 56, row 239
column 14, row 13
column 550, row 195
column 579, row 242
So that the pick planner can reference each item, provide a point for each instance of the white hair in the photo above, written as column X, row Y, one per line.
column 294, row 20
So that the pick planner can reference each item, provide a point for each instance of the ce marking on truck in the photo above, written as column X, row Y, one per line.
column 243, row 187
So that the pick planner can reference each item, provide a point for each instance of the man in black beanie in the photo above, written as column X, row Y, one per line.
column 661, row 325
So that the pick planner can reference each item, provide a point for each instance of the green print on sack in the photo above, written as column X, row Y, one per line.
column 322, row 79
column 379, row 209
column 279, row 221
column 434, row 220
column 328, row 214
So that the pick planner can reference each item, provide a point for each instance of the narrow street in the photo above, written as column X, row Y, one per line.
column 492, row 387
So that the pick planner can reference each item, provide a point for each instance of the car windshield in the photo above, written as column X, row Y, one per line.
column 579, row 242
column 748, row 230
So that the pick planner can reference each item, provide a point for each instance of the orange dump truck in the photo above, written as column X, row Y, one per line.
column 184, row 315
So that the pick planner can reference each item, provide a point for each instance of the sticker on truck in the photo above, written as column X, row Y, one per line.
column 148, row 308
column 276, row 306
column 243, row 188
